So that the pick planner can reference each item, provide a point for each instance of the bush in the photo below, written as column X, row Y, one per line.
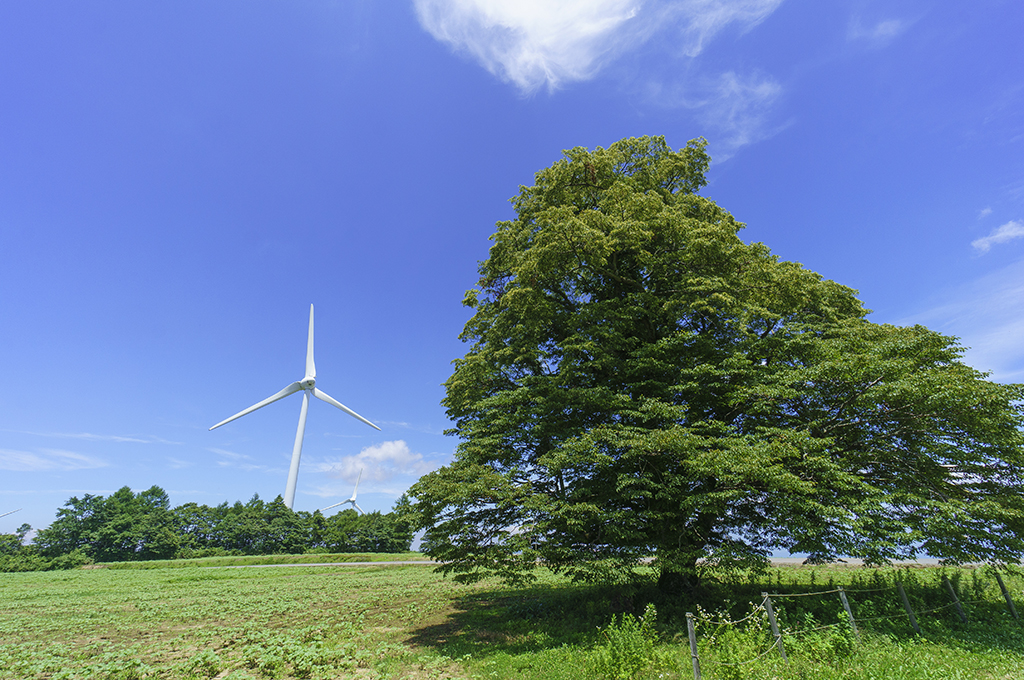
column 24, row 561
column 628, row 648
column 72, row 560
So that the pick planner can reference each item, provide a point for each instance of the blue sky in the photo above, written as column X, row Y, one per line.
column 180, row 181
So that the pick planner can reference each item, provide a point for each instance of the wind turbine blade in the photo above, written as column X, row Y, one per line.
column 356, row 490
column 358, row 508
column 310, row 366
column 291, row 389
column 332, row 506
column 323, row 396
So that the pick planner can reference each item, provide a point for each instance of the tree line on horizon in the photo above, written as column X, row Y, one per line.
column 128, row 526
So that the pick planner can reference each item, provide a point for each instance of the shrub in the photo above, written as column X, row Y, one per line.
column 628, row 648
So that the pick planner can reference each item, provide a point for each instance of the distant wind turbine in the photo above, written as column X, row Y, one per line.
column 351, row 500
column 307, row 386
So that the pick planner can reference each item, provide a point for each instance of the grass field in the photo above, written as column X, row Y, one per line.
column 407, row 622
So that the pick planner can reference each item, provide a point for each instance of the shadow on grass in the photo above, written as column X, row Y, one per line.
column 517, row 621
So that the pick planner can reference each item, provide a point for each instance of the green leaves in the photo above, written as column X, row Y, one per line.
column 640, row 383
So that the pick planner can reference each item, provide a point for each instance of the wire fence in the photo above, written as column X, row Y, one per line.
column 764, row 612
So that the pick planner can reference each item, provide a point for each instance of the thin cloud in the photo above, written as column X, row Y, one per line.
column 988, row 317
column 47, row 460
column 738, row 109
column 89, row 436
column 734, row 105
column 878, row 34
column 1013, row 229
column 424, row 429
column 984, row 212
column 60, row 492
column 536, row 43
column 231, row 459
column 703, row 19
column 379, row 463
column 230, row 454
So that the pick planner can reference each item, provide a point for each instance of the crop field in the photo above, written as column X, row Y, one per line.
column 407, row 622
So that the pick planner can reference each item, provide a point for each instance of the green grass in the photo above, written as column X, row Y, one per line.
column 407, row 622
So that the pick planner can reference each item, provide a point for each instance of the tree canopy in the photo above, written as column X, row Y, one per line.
column 642, row 383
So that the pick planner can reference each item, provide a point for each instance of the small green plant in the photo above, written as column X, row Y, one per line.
column 823, row 644
column 732, row 648
column 204, row 665
column 628, row 648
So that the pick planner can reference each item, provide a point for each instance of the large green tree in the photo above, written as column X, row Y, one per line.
column 642, row 383
column 124, row 526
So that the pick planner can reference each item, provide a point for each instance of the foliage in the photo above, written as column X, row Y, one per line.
column 128, row 527
column 628, row 646
column 16, row 556
column 123, row 526
column 641, row 383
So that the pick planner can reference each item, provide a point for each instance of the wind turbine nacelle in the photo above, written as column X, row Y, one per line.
column 307, row 384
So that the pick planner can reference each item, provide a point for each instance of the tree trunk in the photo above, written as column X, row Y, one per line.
column 681, row 580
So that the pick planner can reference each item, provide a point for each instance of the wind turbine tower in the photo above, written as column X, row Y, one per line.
column 351, row 500
column 308, row 387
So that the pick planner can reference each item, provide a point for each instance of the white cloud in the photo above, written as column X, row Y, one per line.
column 988, row 316
column 1013, row 229
column 46, row 460
column 380, row 463
column 984, row 212
column 702, row 19
column 880, row 33
column 532, row 43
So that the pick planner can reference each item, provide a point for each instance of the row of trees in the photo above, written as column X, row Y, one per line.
column 128, row 526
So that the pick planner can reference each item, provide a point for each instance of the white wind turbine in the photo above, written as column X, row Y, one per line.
column 307, row 386
column 14, row 511
column 351, row 500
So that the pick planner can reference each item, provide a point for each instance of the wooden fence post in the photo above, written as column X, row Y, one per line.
column 956, row 600
column 906, row 605
column 775, row 626
column 693, row 645
column 1006, row 595
column 846, row 606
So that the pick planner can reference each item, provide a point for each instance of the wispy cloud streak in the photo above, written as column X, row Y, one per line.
column 879, row 33
column 47, row 460
column 89, row 436
column 231, row 459
column 701, row 20
column 1010, row 231
column 988, row 316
